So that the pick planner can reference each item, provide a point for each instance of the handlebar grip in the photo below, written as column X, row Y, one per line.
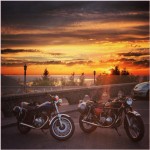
column 51, row 97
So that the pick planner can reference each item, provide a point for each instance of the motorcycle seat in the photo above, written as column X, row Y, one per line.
column 28, row 106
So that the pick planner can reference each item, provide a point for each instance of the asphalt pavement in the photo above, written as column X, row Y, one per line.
column 99, row 139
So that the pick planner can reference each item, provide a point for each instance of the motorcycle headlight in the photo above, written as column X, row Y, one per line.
column 129, row 101
column 82, row 107
column 60, row 100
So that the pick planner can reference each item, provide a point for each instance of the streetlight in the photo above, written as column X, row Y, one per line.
column 25, row 69
column 94, row 76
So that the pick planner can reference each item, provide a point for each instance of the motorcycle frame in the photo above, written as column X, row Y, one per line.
column 122, row 109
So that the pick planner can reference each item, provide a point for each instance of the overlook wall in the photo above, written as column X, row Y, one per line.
column 72, row 95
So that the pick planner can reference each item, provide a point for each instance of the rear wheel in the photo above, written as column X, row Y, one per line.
column 136, row 130
column 147, row 95
column 23, row 129
column 87, row 128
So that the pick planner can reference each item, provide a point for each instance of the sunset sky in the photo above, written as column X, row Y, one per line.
column 67, row 37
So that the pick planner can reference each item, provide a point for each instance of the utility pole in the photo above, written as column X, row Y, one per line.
column 94, row 76
column 25, row 69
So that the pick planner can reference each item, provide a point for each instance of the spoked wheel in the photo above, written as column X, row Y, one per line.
column 136, row 130
column 63, row 132
column 87, row 128
column 23, row 129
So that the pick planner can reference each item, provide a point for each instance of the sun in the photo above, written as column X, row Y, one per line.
column 109, row 72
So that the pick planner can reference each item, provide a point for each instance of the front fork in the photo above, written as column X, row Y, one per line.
column 59, row 115
column 127, row 112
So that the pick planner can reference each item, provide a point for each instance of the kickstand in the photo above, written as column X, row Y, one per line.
column 43, row 131
column 117, row 131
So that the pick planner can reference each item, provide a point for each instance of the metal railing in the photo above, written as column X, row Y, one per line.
column 9, row 90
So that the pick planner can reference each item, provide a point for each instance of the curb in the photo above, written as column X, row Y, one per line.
column 15, row 123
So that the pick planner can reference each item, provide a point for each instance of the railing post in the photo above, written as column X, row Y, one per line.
column 94, row 76
column 25, row 69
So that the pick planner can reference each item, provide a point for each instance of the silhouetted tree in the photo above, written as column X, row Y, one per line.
column 115, row 71
column 45, row 75
column 72, row 81
column 124, row 72
column 82, row 78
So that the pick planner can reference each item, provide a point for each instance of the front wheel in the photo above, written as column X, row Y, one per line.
column 87, row 128
column 136, row 130
column 63, row 132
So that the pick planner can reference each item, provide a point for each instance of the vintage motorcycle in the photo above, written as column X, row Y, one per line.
column 44, row 116
column 110, row 115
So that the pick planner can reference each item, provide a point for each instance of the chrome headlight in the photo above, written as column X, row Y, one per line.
column 60, row 101
column 82, row 107
column 129, row 101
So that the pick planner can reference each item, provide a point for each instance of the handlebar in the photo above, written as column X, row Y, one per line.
column 54, row 98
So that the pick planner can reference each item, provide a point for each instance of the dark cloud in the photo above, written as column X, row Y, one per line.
column 131, row 62
column 9, row 51
column 72, row 63
column 52, row 15
column 142, row 63
column 42, row 14
column 53, row 62
column 126, row 60
column 56, row 54
column 133, row 54
column 80, row 36
column 143, row 49
column 18, row 63
column 15, row 61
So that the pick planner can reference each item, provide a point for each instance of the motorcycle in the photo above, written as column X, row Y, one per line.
column 44, row 116
column 110, row 115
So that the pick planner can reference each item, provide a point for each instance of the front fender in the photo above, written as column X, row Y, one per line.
column 130, row 113
column 133, row 113
column 59, row 115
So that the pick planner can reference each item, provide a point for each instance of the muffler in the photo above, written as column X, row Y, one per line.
column 97, row 124
column 24, row 124
column 90, row 123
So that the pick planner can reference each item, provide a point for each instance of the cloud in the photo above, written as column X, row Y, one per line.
column 129, row 62
column 133, row 54
column 72, row 63
column 10, row 51
column 56, row 54
column 20, row 62
column 143, row 49
column 73, row 22
column 142, row 63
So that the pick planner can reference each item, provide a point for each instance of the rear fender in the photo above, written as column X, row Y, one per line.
column 59, row 115
column 19, row 112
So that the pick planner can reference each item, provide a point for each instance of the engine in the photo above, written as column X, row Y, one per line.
column 38, row 122
column 106, row 119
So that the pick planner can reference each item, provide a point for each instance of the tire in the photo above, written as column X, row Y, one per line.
column 147, row 95
column 68, row 127
column 136, row 131
column 84, row 126
column 23, row 129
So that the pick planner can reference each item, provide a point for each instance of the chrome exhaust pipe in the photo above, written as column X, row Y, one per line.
column 24, row 124
column 90, row 123
column 96, row 124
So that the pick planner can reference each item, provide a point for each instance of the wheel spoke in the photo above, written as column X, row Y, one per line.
column 134, row 129
column 65, row 130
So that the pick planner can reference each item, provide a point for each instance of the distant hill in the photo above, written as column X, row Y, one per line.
column 8, row 81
